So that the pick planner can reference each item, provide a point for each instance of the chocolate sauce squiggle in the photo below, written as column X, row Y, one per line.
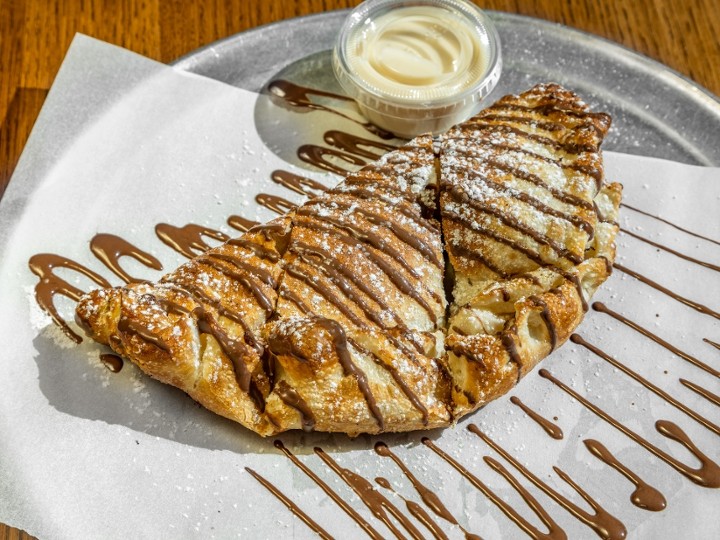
column 402, row 234
column 335, row 277
column 388, row 193
column 520, row 174
column 337, row 499
column 604, row 524
column 298, row 184
column 252, row 269
column 112, row 361
column 634, row 209
column 547, row 318
column 428, row 496
column 707, row 475
column 707, row 394
column 243, row 278
column 374, row 500
column 487, row 128
column 592, row 172
column 356, row 145
column 274, row 203
column 50, row 285
column 199, row 296
column 235, row 350
column 716, row 345
column 577, row 339
column 345, row 278
column 318, row 156
column 188, row 240
column 416, row 511
column 647, row 281
column 340, row 342
column 602, row 308
column 555, row 532
column 674, row 252
column 241, row 224
column 293, row 399
column 129, row 326
column 549, row 427
column 359, row 239
column 476, row 227
column 307, row 520
column 512, row 222
column 258, row 250
column 110, row 248
column 644, row 496
column 574, row 219
column 397, row 377
column 299, row 96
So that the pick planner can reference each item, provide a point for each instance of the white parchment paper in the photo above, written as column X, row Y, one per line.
column 124, row 143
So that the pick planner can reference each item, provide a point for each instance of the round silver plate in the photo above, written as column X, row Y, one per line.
column 656, row 111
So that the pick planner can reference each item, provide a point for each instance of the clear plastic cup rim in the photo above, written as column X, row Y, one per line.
column 395, row 103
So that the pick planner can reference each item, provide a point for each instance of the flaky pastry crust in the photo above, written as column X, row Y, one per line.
column 358, row 313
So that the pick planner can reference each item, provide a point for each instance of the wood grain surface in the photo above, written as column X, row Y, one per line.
column 35, row 34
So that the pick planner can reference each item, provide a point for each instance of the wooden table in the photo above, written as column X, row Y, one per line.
column 35, row 34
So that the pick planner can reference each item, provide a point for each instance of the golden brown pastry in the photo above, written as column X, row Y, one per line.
column 529, row 231
column 335, row 317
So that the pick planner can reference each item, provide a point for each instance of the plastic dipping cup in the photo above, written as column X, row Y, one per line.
column 417, row 66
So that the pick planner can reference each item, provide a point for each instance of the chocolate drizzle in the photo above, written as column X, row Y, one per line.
column 480, row 178
column 465, row 200
column 602, row 308
column 427, row 495
column 110, row 248
column 555, row 532
column 644, row 496
column 235, row 350
column 549, row 427
column 50, row 285
column 416, row 511
column 674, row 225
column 241, row 224
column 112, row 361
column 349, row 510
column 707, row 394
column 647, row 281
column 674, row 252
column 399, row 380
column 373, row 499
column 290, row 397
column 298, row 184
column 376, row 257
column 243, row 277
column 276, row 204
column 337, row 334
column 299, row 96
column 575, row 338
column 356, row 145
column 318, row 156
column 402, row 234
column 188, row 240
column 258, row 250
column 707, row 475
column 546, row 317
column 291, row 505
column 128, row 326
column 601, row 521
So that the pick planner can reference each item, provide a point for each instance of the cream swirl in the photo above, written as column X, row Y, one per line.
column 420, row 52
